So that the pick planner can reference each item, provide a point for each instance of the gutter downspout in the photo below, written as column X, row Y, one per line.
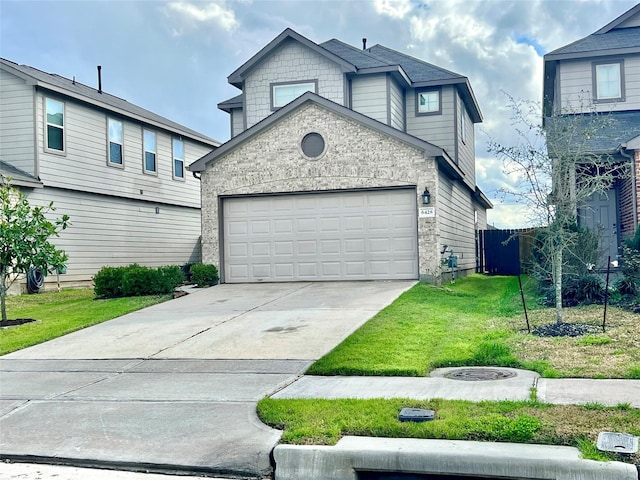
column 634, row 197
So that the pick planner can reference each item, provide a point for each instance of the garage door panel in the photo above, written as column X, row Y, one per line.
column 260, row 227
column 321, row 236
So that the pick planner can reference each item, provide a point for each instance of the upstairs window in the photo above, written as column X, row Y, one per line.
column 428, row 102
column 115, row 142
column 149, row 159
column 178, row 159
column 608, row 81
column 283, row 93
column 55, row 125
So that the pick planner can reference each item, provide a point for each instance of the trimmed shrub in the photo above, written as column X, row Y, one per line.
column 204, row 275
column 135, row 280
column 108, row 282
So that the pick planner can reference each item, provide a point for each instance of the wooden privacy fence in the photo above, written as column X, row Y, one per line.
column 505, row 252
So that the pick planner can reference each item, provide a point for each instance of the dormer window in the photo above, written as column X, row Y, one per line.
column 428, row 102
column 283, row 93
column 608, row 81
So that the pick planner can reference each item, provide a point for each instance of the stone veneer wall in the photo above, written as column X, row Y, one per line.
column 355, row 157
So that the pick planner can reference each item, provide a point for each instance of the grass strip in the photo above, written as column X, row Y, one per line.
column 430, row 326
column 324, row 422
column 59, row 313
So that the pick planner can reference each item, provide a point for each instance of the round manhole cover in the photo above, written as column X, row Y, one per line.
column 479, row 374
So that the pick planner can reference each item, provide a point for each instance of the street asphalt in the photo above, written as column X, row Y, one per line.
column 173, row 388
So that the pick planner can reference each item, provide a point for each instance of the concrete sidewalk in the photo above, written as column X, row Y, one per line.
column 173, row 388
column 517, row 387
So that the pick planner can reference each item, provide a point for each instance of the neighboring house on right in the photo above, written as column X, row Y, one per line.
column 601, row 73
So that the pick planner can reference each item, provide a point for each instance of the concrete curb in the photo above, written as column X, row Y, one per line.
column 353, row 455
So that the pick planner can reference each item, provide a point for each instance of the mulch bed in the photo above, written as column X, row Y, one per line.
column 15, row 322
column 566, row 330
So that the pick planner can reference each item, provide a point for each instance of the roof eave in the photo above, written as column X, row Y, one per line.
column 429, row 149
column 237, row 77
column 592, row 53
column 124, row 113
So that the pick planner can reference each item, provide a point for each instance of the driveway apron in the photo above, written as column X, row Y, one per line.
column 173, row 387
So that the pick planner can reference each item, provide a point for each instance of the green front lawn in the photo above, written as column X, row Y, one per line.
column 59, row 313
column 479, row 320
column 323, row 422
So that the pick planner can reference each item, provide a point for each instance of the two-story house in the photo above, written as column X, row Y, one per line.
column 600, row 75
column 344, row 164
column 117, row 170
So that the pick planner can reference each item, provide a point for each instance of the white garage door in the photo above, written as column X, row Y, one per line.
column 321, row 236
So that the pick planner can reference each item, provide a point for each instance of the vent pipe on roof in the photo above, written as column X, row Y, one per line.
column 99, row 79
column 364, row 43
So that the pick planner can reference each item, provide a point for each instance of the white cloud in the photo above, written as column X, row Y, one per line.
column 202, row 13
column 393, row 8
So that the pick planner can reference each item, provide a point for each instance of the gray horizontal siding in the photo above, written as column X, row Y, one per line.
column 576, row 86
column 16, row 123
column 237, row 123
column 456, row 221
column 84, row 167
column 115, row 231
column 437, row 129
column 466, row 149
column 369, row 96
column 396, row 95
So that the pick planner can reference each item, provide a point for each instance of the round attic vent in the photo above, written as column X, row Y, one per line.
column 312, row 145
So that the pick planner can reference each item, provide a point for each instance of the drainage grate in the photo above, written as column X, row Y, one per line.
column 479, row 374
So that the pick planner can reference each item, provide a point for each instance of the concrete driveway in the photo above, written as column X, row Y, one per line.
column 173, row 387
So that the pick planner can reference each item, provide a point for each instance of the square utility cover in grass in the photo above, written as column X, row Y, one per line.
column 479, row 320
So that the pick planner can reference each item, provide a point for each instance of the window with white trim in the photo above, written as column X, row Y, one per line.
column 149, row 160
column 178, row 159
column 428, row 102
column 54, row 131
column 608, row 81
column 116, row 142
column 283, row 93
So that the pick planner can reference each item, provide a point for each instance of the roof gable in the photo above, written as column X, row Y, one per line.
column 238, row 76
column 620, row 36
column 310, row 97
column 84, row 93
column 629, row 18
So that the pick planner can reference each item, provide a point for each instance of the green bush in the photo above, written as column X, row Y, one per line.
column 204, row 274
column 169, row 277
column 135, row 280
column 108, row 282
column 138, row 280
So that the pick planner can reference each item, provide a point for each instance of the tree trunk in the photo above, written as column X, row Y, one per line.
column 557, row 280
column 3, row 297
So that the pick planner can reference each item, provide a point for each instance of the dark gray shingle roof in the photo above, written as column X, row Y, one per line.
column 105, row 100
column 417, row 70
column 623, row 38
column 17, row 176
column 608, row 130
column 359, row 58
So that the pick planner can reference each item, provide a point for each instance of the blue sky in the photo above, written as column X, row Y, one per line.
column 173, row 57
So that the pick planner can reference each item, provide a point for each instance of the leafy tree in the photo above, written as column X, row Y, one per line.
column 557, row 170
column 24, row 239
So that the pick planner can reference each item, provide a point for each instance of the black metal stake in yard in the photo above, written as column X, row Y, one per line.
column 606, row 294
column 524, row 304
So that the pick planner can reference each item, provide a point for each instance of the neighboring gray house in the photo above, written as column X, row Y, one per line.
column 332, row 149
column 117, row 170
column 601, row 73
